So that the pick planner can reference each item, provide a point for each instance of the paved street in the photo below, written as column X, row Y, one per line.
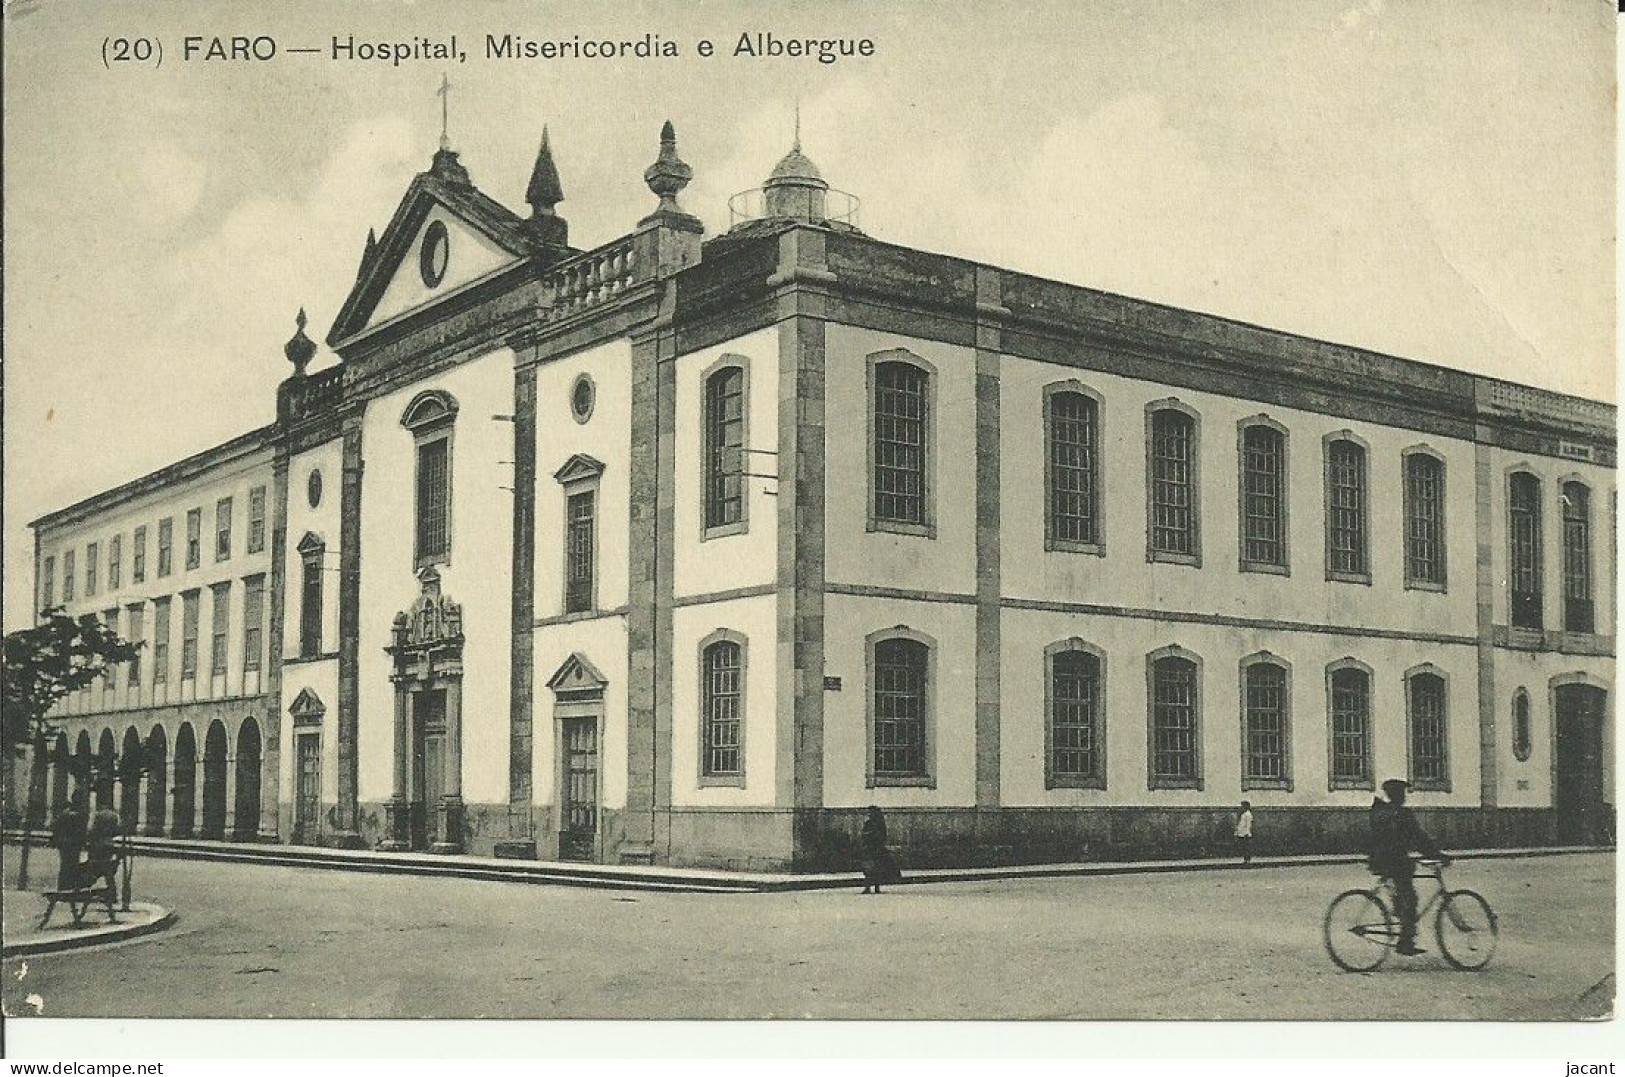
column 259, row 941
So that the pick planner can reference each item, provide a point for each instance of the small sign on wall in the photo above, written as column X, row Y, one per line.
column 832, row 684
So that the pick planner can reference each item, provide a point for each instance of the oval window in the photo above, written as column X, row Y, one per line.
column 434, row 254
column 1522, row 737
column 582, row 395
column 313, row 488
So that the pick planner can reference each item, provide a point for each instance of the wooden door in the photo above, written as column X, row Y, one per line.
column 1577, row 794
column 308, row 789
column 578, row 808
column 428, row 766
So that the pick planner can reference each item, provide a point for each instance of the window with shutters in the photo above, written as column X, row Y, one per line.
column 256, row 519
column 900, row 443
column 1347, row 510
column 166, row 546
column 725, row 437
column 1075, row 709
column 48, row 584
column 115, row 562
column 138, row 555
column 1266, row 723
column 160, row 640
column 1173, row 521
column 222, row 529
column 67, row 576
column 1174, row 723
column 1523, row 532
column 722, row 709
column 900, row 723
column 194, row 538
column 136, row 633
column 253, row 622
column 1263, row 496
column 1428, row 724
column 312, row 553
column 1073, row 469
column 92, row 555
column 219, row 625
column 430, row 417
column 189, row 629
column 580, row 529
column 1579, row 611
column 1424, row 521
column 1348, row 686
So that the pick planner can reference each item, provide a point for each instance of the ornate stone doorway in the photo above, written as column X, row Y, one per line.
column 578, row 714
column 425, row 809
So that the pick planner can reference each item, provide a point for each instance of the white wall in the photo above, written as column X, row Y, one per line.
column 471, row 255
column 755, row 619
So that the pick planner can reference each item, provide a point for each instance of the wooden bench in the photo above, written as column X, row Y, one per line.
column 79, row 903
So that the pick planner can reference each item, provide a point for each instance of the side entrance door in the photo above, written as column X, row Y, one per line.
column 308, row 794
column 578, row 829
column 428, row 765
column 1577, row 794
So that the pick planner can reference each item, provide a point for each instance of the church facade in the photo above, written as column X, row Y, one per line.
column 687, row 549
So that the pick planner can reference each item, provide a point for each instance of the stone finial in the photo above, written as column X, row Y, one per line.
column 666, row 178
column 299, row 349
column 544, row 190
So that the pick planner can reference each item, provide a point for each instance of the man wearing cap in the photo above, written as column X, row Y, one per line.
column 1394, row 833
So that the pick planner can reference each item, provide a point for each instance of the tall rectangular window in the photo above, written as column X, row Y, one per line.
column 1172, row 475
column 1175, row 744
column 253, row 621
column 1263, row 497
column 725, row 447
column 160, row 640
column 722, row 708
column 1264, row 728
column 67, row 576
column 899, row 703
column 189, row 628
column 1579, row 611
column 136, row 633
column 433, row 499
column 194, row 538
column 219, row 625
column 310, row 608
column 1074, row 477
column 138, row 555
column 222, row 529
column 1075, row 756
column 901, row 417
column 1523, row 525
column 1424, row 520
column 256, row 519
column 1346, row 557
column 166, row 546
column 1430, row 767
column 115, row 561
column 48, row 584
column 1351, row 729
column 579, row 524
column 92, row 555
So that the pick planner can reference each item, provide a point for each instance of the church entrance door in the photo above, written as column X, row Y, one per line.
column 428, row 766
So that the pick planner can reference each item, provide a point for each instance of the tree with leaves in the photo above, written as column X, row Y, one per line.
column 43, row 665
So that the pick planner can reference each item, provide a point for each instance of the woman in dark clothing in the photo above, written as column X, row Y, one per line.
column 878, row 865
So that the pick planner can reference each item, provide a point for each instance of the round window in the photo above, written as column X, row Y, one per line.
column 313, row 488
column 434, row 254
column 582, row 395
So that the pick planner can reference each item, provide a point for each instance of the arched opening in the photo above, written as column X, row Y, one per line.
column 185, row 781
column 157, row 781
column 106, row 762
column 246, row 820
column 61, row 768
column 214, row 781
column 83, row 767
column 131, row 763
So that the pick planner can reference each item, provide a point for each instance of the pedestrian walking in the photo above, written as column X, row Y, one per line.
column 879, row 866
column 102, row 840
column 1244, row 832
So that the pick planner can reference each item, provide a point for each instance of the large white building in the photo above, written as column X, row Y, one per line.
column 688, row 550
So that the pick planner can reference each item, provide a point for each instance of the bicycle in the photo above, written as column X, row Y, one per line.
column 1360, row 926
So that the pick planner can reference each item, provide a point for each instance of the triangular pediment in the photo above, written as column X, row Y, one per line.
column 311, row 543
column 579, row 468
column 479, row 234
column 307, row 708
column 577, row 676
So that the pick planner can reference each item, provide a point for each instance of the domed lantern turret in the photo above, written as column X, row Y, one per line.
column 795, row 189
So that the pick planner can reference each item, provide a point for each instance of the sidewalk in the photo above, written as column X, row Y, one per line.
column 21, row 934
column 702, row 880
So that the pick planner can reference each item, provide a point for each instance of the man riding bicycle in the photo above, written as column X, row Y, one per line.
column 1394, row 833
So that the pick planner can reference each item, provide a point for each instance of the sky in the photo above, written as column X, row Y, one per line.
column 1433, row 181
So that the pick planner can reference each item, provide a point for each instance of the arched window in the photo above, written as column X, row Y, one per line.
column 1579, row 611
column 1072, row 423
column 1175, row 706
column 900, row 446
column 1076, row 740
column 1263, row 497
column 1424, row 521
column 1428, row 723
column 1266, row 722
column 900, row 717
column 722, row 709
column 430, row 417
column 1348, row 687
column 1523, row 531
column 1347, row 557
column 725, row 448
column 1173, row 524
column 1523, row 741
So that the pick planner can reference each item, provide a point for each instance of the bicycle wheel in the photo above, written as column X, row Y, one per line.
column 1466, row 930
column 1359, row 930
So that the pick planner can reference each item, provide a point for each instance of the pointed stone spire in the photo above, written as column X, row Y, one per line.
column 545, row 191
column 299, row 349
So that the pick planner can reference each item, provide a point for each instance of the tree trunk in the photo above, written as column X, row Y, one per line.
column 33, row 809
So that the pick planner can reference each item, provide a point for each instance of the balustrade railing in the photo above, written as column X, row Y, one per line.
column 594, row 277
